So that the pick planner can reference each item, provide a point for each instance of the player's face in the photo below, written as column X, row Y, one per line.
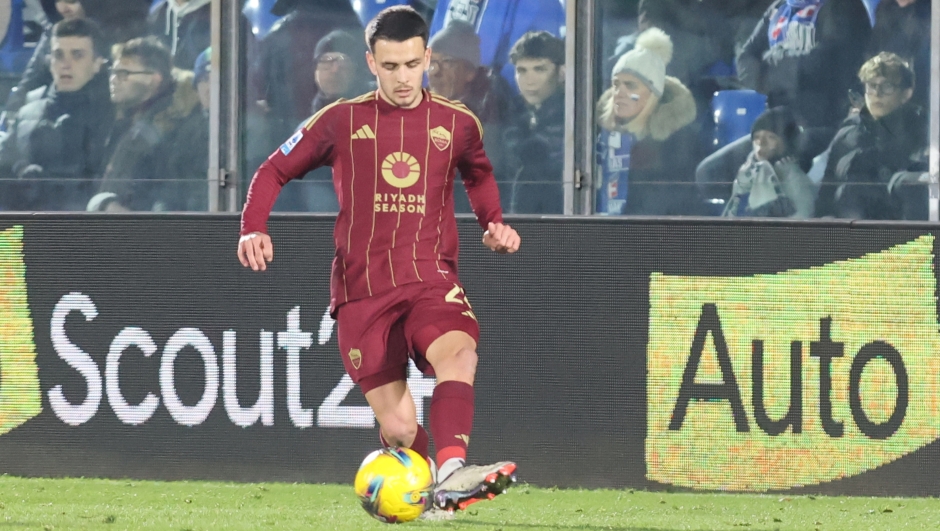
column 538, row 79
column 631, row 96
column 399, row 68
column 73, row 63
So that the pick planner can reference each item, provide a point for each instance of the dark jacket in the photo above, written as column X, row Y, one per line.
column 905, row 31
column 185, row 30
column 490, row 99
column 664, row 156
column 61, row 136
column 156, row 151
column 283, row 73
column 534, row 143
column 814, row 78
column 120, row 21
column 865, row 155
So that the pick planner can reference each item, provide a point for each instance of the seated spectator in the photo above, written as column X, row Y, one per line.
column 184, row 27
column 535, row 136
column 119, row 21
column 154, row 101
column 885, row 142
column 771, row 183
column 902, row 27
column 500, row 24
column 282, row 72
column 647, row 146
column 457, row 75
column 188, row 158
column 55, row 145
column 803, row 55
column 341, row 70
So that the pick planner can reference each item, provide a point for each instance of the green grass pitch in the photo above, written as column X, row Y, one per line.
column 60, row 504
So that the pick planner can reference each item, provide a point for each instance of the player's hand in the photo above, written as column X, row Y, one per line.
column 255, row 250
column 501, row 238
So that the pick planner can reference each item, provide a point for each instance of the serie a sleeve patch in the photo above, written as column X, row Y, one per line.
column 292, row 142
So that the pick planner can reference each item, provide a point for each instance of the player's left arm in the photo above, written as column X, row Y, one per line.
column 477, row 174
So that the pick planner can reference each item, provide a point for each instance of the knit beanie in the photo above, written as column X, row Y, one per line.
column 648, row 59
column 781, row 122
column 339, row 41
column 459, row 40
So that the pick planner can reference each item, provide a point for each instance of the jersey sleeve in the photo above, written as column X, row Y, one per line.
column 310, row 147
column 477, row 174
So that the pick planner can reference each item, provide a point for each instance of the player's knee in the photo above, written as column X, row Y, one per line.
column 399, row 431
column 466, row 361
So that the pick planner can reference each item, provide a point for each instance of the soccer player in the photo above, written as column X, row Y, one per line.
column 394, row 288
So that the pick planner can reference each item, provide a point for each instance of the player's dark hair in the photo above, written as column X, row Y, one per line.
column 150, row 52
column 538, row 45
column 82, row 27
column 396, row 24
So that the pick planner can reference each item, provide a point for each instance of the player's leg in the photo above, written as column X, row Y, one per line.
column 443, row 331
column 394, row 409
column 375, row 354
column 454, row 358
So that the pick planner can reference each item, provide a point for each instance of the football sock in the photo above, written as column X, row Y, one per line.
column 451, row 420
column 419, row 445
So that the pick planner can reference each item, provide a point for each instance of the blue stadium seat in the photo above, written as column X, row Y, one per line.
column 258, row 14
column 734, row 111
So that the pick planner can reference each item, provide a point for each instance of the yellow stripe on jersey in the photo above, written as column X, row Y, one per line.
column 359, row 99
column 456, row 105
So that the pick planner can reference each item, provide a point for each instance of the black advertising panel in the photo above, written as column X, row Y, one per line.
column 699, row 355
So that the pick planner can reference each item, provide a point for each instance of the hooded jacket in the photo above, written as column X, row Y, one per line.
column 665, row 150
column 185, row 29
column 146, row 170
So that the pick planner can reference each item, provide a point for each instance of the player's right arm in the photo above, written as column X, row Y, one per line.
column 310, row 147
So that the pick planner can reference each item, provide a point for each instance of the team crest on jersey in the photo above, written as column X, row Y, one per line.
column 440, row 137
column 288, row 146
column 355, row 357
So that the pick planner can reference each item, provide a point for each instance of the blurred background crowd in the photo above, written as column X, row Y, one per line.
column 736, row 108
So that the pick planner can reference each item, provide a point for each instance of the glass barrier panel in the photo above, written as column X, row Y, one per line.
column 762, row 108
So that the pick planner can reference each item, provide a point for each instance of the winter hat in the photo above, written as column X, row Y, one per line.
column 648, row 59
column 203, row 66
column 458, row 39
column 340, row 41
column 781, row 122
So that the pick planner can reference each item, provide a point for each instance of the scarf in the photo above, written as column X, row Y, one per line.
column 792, row 13
column 757, row 192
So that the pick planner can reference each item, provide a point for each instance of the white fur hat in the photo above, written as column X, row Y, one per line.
column 648, row 59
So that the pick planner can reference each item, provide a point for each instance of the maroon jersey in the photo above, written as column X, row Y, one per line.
column 393, row 171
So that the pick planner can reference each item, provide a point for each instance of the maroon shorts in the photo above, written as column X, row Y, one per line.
column 378, row 334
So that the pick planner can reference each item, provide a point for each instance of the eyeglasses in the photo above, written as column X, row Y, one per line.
column 881, row 89
column 448, row 64
column 330, row 61
column 123, row 74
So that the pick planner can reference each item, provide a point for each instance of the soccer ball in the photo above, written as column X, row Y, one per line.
column 394, row 484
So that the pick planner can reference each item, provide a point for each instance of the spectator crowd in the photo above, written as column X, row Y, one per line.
column 112, row 111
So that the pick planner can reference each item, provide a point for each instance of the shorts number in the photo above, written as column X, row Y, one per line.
column 457, row 296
